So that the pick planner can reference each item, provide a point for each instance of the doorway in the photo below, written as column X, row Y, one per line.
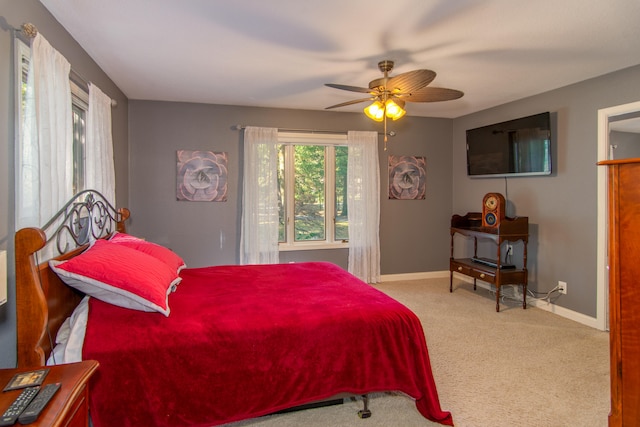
column 606, row 150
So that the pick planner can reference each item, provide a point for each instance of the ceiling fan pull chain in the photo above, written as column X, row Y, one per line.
column 385, row 130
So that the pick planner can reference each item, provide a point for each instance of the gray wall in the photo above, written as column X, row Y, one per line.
column 562, row 207
column 14, row 13
column 627, row 144
column 414, row 233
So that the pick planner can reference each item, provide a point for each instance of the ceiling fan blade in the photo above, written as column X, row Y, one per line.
column 410, row 81
column 355, row 101
column 432, row 94
column 349, row 88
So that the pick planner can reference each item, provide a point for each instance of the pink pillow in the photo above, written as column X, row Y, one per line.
column 157, row 251
column 120, row 276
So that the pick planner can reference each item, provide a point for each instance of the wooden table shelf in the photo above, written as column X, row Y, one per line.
column 509, row 230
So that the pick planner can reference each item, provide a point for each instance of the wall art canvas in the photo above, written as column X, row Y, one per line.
column 202, row 176
column 407, row 177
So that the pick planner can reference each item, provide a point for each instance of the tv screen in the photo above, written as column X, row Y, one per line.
column 520, row 147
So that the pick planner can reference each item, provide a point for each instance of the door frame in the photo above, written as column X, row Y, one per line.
column 602, row 280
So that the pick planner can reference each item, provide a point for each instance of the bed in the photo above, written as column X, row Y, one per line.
column 232, row 343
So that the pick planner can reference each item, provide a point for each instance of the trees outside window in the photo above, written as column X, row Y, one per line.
column 312, row 180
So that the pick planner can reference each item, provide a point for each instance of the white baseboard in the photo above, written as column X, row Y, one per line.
column 414, row 276
column 543, row 305
column 564, row 312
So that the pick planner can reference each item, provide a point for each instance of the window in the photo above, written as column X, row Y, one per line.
column 22, row 71
column 80, row 106
column 312, row 184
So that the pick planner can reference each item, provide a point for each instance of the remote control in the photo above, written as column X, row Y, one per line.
column 31, row 413
column 15, row 409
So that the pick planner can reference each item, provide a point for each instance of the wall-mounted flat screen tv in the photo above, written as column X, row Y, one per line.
column 520, row 147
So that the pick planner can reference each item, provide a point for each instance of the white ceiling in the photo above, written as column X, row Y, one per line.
column 279, row 53
column 628, row 125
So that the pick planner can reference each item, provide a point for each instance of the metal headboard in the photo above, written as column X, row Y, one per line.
column 86, row 217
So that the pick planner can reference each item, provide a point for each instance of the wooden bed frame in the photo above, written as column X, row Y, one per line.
column 43, row 301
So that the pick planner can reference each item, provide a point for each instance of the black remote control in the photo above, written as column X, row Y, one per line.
column 31, row 413
column 15, row 409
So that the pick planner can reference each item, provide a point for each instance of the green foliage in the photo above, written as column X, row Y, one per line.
column 309, row 178
column 309, row 192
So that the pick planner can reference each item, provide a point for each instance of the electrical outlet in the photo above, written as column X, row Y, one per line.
column 509, row 248
column 562, row 287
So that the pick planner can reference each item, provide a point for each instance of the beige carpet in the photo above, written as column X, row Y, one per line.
column 513, row 368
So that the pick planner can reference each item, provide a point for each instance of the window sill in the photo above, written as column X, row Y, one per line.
column 311, row 246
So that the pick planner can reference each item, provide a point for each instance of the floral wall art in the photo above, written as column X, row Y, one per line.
column 202, row 176
column 407, row 177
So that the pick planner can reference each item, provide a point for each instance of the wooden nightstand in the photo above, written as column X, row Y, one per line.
column 70, row 405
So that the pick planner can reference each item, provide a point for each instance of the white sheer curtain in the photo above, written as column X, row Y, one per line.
column 44, row 178
column 99, row 167
column 259, row 234
column 363, row 202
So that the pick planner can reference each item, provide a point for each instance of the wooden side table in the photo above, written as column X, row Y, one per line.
column 509, row 230
column 69, row 407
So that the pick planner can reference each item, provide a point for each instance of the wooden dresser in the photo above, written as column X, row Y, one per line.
column 624, row 290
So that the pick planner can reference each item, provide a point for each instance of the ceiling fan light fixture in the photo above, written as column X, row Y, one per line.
column 390, row 93
column 395, row 110
column 375, row 111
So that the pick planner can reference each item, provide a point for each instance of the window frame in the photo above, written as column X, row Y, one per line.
column 329, row 141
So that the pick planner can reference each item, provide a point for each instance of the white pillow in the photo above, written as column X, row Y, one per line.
column 70, row 336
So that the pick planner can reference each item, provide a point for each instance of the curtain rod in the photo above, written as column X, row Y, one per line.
column 240, row 127
column 30, row 31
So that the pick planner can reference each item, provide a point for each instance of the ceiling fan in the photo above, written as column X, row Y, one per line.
column 389, row 94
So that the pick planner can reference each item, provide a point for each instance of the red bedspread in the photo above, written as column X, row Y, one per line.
column 245, row 341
